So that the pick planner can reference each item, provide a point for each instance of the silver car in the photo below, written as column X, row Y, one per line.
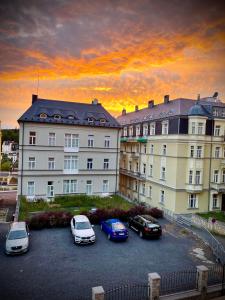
column 17, row 239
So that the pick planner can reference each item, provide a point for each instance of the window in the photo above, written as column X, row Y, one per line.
column 144, row 168
column 90, row 141
column 43, row 116
column 223, row 176
column 200, row 128
column 215, row 201
column 164, row 150
column 163, row 173
column 223, row 113
column 125, row 131
column 90, row 120
column 51, row 163
column 89, row 163
column 107, row 141
column 216, row 176
column 217, row 152
column 190, row 177
column 199, row 152
column 192, row 127
column 192, row 151
column 198, row 177
column 151, row 149
column 152, row 129
column 150, row 170
column 137, row 130
column 106, row 164
column 192, row 201
column 137, row 167
column 32, row 138
column 71, row 140
column 217, row 130
column 30, row 188
column 89, row 187
column 31, row 163
column 162, row 197
column 70, row 163
column 50, row 189
column 105, row 188
column 143, row 189
column 216, row 112
column 145, row 148
column 51, row 139
column 130, row 165
column 102, row 121
column 69, row 186
column 131, row 131
column 165, row 127
column 135, row 185
column 137, row 148
column 145, row 130
column 57, row 117
column 150, row 192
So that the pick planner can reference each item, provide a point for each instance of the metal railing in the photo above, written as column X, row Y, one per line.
column 216, row 275
column 174, row 282
column 128, row 292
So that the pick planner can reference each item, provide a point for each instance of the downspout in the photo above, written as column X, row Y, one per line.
column 210, row 166
column 117, row 150
column 139, row 165
column 21, row 174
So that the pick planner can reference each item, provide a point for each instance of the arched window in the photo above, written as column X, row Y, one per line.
column 43, row 116
column 57, row 117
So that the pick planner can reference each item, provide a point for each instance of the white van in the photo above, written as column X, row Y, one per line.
column 17, row 239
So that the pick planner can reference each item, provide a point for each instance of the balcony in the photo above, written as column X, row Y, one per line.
column 142, row 139
column 194, row 188
column 219, row 187
column 70, row 171
column 134, row 155
column 123, row 139
column 71, row 149
column 133, row 174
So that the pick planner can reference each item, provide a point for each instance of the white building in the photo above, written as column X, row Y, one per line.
column 67, row 148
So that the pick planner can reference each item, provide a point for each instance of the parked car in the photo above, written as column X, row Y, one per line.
column 145, row 225
column 114, row 229
column 82, row 230
column 17, row 239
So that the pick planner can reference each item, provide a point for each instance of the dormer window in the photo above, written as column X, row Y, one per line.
column 102, row 121
column 71, row 117
column 57, row 117
column 90, row 120
column 43, row 116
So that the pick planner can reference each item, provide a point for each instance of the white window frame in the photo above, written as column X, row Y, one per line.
column 190, row 177
column 192, row 151
column 31, row 163
column 30, row 188
column 143, row 189
column 164, row 148
column 124, row 131
column 193, row 127
column 165, row 127
column 200, row 128
column 89, row 185
column 138, row 130
column 69, row 186
column 105, row 186
column 197, row 177
column 145, row 130
column 71, row 142
column 163, row 173
column 152, row 128
column 70, row 164
column 89, row 163
column 199, row 152
column 150, row 191
column 50, row 189
column 217, row 130
column 162, row 197
column 106, row 164
column 51, row 139
column 51, row 163
column 217, row 152
column 215, row 201
column 144, row 168
column 107, row 141
column 90, row 141
column 150, row 170
column 216, row 176
column 131, row 131
column 32, row 137
column 223, row 176
column 152, row 149
column 192, row 201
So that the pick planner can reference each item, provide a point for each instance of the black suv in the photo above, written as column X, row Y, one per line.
column 145, row 225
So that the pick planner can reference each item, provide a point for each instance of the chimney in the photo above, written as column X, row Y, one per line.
column 95, row 101
column 198, row 98
column 136, row 107
column 150, row 103
column 166, row 99
column 124, row 112
column 34, row 98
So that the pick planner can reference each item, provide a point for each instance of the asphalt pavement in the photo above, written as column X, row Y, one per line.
column 55, row 268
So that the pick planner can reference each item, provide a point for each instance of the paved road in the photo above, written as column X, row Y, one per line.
column 55, row 268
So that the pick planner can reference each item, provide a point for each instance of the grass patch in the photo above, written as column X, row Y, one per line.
column 220, row 216
column 73, row 204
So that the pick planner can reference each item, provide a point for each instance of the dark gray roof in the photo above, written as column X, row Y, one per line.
column 176, row 107
column 71, row 113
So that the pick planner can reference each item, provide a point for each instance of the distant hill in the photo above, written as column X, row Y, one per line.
column 10, row 135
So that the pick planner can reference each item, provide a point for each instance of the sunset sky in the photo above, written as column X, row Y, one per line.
column 122, row 52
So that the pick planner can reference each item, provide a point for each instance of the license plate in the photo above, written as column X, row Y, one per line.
column 155, row 229
column 121, row 233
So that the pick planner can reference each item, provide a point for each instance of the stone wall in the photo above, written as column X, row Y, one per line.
column 216, row 227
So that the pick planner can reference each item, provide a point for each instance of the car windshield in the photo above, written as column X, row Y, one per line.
column 82, row 225
column 151, row 224
column 118, row 226
column 17, row 234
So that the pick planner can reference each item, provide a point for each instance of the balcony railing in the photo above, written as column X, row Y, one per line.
column 133, row 174
column 219, row 187
column 197, row 188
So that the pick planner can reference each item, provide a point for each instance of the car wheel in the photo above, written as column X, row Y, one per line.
column 109, row 237
column 141, row 234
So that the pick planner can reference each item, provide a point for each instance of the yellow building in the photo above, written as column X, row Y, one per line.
column 173, row 155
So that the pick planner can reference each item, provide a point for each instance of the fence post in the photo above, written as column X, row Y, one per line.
column 154, row 283
column 98, row 293
column 202, row 280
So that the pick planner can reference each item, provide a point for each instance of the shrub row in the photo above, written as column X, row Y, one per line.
column 62, row 218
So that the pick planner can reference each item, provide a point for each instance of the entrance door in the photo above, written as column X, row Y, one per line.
column 223, row 202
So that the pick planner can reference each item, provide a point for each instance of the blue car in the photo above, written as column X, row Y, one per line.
column 114, row 229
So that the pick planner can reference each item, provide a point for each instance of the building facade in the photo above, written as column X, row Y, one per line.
column 173, row 155
column 11, row 149
column 67, row 148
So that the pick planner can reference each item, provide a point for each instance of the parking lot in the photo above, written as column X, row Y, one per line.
column 55, row 268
